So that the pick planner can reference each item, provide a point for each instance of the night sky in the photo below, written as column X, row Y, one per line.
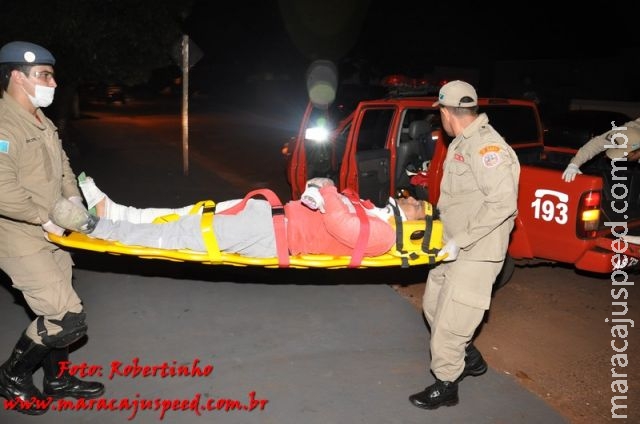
column 413, row 37
column 407, row 33
column 282, row 37
column 576, row 53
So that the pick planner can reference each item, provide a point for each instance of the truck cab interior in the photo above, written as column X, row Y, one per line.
column 414, row 148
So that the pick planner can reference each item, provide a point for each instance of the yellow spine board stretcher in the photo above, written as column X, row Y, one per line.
column 412, row 249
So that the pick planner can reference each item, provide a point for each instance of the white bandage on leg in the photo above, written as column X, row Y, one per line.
column 117, row 212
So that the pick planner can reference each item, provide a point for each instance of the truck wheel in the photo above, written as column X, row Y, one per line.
column 505, row 273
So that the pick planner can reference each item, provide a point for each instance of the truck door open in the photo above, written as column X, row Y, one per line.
column 372, row 157
column 317, row 150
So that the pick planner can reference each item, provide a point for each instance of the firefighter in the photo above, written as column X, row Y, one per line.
column 620, row 143
column 478, row 205
column 34, row 174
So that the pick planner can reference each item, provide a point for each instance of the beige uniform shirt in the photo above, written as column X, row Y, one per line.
column 479, row 192
column 597, row 144
column 34, row 173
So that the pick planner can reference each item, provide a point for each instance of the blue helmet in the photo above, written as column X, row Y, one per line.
column 26, row 53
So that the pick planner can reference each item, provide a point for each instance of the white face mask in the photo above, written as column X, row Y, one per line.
column 43, row 95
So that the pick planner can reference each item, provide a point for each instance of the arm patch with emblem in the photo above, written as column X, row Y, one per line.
column 490, row 155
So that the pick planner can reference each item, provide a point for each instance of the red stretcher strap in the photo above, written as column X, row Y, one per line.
column 277, row 211
column 363, row 236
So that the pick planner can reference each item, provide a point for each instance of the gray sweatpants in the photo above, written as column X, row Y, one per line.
column 249, row 232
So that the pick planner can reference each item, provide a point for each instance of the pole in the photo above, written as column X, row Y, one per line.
column 185, row 105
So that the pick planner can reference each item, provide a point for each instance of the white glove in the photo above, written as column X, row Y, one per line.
column 312, row 198
column 77, row 200
column 449, row 252
column 52, row 228
column 632, row 239
column 570, row 173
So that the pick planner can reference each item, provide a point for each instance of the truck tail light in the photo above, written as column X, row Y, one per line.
column 588, row 215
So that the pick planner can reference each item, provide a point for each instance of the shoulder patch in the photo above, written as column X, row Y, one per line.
column 491, row 159
column 4, row 146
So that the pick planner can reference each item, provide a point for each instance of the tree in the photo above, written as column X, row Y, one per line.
column 99, row 40
column 96, row 41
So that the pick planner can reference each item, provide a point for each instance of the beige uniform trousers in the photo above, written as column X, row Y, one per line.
column 456, row 297
column 44, row 278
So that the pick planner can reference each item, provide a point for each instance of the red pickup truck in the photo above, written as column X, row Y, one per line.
column 371, row 150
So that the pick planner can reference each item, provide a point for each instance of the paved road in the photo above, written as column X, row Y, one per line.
column 316, row 346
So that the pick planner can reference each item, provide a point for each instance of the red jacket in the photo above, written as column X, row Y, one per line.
column 334, row 232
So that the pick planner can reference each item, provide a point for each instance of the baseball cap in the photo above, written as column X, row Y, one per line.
column 26, row 53
column 627, row 141
column 453, row 93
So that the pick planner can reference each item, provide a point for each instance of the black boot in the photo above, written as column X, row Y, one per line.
column 474, row 363
column 65, row 385
column 16, row 377
column 440, row 393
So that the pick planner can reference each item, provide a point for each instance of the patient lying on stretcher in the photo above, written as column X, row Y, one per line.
column 330, row 226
